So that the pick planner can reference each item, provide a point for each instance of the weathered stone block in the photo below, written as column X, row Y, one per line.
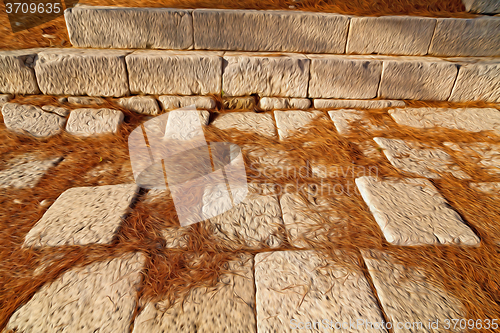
column 482, row 6
column 174, row 72
column 140, row 104
column 16, row 72
column 31, row 119
column 177, row 102
column 486, row 155
column 82, row 72
column 352, row 103
column 272, row 103
column 290, row 121
column 400, row 35
column 26, row 171
column 335, row 76
column 344, row 120
column 265, row 74
column 284, row 31
column 86, row 122
column 82, row 100
column 478, row 81
column 260, row 123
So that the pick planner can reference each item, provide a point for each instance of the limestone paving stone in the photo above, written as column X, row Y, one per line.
column 344, row 120
column 99, row 297
column 488, row 188
column 353, row 103
column 82, row 72
column 284, row 75
column 486, row 155
column 174, row 72
column 83, row 215
column 140, row 104
column 83, row 100
column 478, row 81
column 290, row 121
column 87, row 122
column 16, row 72
column 227, row 307
column 63, row 112
column 269, row 30
column 121, row 27
column 32, row 120
column 407, row 295
column 272, row 103
column 418, row 159
column 476, row 37
column 482, row 6
column 466, row 119
column 412, row 212
column 417, row 78
column 399, row 35
column 259, row 123
column 242, row 103
column 26, row 171
column 303, row 286
column 177, row 102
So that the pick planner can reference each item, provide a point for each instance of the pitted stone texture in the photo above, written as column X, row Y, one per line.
column 486, row 155
column 401, row 35
column 121, row 28
column 412, row 212
column 63, row 112
column 477, row 37
column 140, row 104
column 82, row 72
column 174, row 72
column 352, row 103
column 83, row 215
column 25, row 171
column 16, row 72
column 488, row 188
column 466, row 119
column 482, row 6
column 227, row 307
column 478, row 81
column 344, row 120
column 272, row 103
column 338, row 76
column 418, row 159
column 242, row 103
column 254, row 223
column 258, row 30
column 289, row 122
column 82, row 100
column 285, row 75
column 417, row 78
column 4, row 98
column 86, row 122
column 177, row 102
column 301, row 285
column 31, row 119
column 407, row 295
column 259, row 123
column 99, row 297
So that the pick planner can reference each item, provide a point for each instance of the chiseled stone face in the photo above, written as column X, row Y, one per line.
column 290, row 121
column 353, row 103
column 140, row 104
column 260, row 123
column 16, row 72
column 272, row 103
column 296, row 287
column 83, row 215
column 32, row 120
column 99, row 297
column 478, row 82
column 86, row 122
column 177, row 102
column 25, row 171
column 412, row 212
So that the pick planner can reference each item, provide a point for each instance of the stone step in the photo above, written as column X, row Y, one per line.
column 118, row 73
column 281, row 31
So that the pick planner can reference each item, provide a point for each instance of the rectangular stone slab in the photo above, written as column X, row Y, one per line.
column 355, row 103
column 100, row 297
column 25, row 118
column 271, row 103
column 411, row 212
column 135, row 28
column 337, row 76
column 482, row 6
column 284, row 75
column 140, row 104
column 399, row 35
column 300, row 286
column 269, row 30
column 485, row 154
column 251, row 122
column 478, row 81
column 344, row 120
column 82, row 72
column 16, row 72
column 87, row 122
column 290, row 121
column 26, row 171
column 177, row 102
column 174, row 72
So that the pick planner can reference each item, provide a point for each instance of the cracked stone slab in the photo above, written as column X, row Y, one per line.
column 400, row 35
column 26, row 171
column 479, row 81
column 270, row 30
column 241, row 103
column 356, row 103
column 272, row 103
column 174, row 72
column 227, row 307
column 32, row 120
column 83, row 215
column 135, row 28
column 416, row 158
column 140, row 104
column 284, row 75
column 417, row 78
column 488, row 188
column 466, row 119
column 259, row 123
column 344, row 120
column 63, row 112
column 476, row 37
column 486, row 155
column 83, row 100
column 177, row 102
column 99, row 297
column 82, row 72
column 290, row 121
column 407, row 296
column 341, row 76
column 87, row 122
column 482, row 6
column 412, row 212
column 16, row 72
column 303, row 286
